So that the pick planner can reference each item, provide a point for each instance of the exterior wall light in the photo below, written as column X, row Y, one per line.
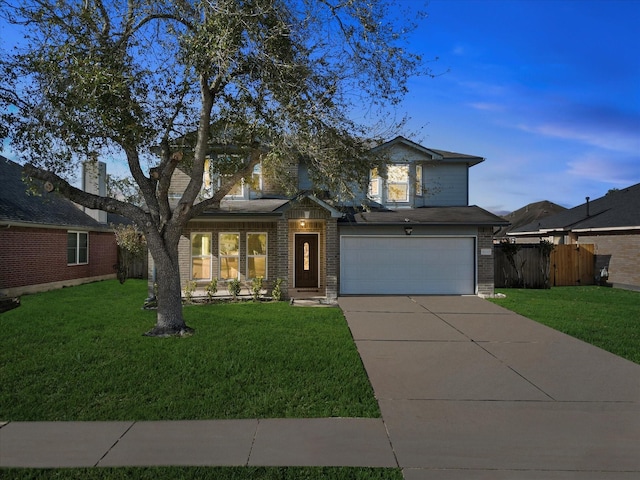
column 408, row 230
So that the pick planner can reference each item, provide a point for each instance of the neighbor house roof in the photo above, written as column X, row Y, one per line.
column 18, row 206
column 617, row 210
column 530, row 213
column 435, row 154
column 471, row 215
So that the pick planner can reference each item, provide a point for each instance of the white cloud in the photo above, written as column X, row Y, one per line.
column 458, row 50
column 609, row 139
column 605, row 168
column 488, row 106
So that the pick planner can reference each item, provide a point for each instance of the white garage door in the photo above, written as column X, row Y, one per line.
column 407, row 265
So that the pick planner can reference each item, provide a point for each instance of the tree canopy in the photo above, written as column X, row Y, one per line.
column 159, row 81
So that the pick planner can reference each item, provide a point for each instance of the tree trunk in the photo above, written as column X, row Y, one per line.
column 169, row 321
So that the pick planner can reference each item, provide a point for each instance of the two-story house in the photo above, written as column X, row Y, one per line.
column 419, row 237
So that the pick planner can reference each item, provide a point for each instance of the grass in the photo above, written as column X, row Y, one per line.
column 79, row 354
column 608, row 318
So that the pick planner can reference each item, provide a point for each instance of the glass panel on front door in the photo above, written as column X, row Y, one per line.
column 306, row 261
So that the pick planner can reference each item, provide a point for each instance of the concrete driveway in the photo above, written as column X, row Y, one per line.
column 469, row 390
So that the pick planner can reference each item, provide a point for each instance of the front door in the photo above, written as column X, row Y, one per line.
column 306, row 261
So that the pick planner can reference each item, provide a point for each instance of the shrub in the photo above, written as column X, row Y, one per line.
column 189, row 290
column 256, row 288
column 233, row 287
column 276, row 293
column 212, row 288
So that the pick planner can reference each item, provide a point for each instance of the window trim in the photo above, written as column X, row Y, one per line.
column 419, row 179
column 221, row 256
column 192, row 256
column 77, row 234
column 266, row 254
column 211, row 182
column 375, row 184
column 406, row 183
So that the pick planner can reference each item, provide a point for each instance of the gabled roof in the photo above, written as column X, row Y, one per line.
column 18, row 206
column 617, row 210
column 471, row 215
column 435, row 154
column 530, row 213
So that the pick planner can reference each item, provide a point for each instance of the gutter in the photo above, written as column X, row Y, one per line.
column 606, row 229
column 52, row 226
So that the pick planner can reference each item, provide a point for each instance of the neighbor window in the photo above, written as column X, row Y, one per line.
column 201, row 256
column 77, row 248
column 419, row 180
column 229, row 256
column 256, row 255
column 398, row 183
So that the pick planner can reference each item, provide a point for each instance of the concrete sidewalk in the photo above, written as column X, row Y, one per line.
column 469, row 390
column 268, row 442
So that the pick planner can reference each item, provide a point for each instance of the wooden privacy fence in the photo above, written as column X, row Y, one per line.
column 573, row 265
column 566, row 265
column 131, row 267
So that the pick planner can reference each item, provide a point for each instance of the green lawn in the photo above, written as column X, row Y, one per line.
column 606, row 317
column 79, row 354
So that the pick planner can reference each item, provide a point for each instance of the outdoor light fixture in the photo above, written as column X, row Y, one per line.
column 302, row 223
column 408, row 230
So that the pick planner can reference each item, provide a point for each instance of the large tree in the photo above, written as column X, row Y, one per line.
column 274, row 80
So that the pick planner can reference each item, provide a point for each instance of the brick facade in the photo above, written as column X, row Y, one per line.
column 485, row 262
column 281, row 234
column 35, row 259
column 242, row 228
column 620, row 253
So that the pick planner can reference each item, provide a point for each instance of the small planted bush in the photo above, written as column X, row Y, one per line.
column 256, row 288
column 212, row 288
column 233, row 287
column 189, row 290
column 276, row 293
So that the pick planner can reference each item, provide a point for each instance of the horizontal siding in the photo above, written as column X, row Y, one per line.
column 445, row 185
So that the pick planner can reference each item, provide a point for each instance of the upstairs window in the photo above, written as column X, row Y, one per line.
column 374, row 184
column 398, row 183
column 217, row 169
column 201, row 256
column 77, row 248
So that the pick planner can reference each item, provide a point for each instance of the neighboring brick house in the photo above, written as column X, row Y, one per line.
column 47, row 241
column 611, row 223
column 419, row 237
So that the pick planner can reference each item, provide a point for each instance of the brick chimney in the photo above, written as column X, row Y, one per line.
column 94, row 180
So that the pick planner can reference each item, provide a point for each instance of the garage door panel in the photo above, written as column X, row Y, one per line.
column 407, row 265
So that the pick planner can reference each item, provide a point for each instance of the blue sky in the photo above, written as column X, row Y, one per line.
column 548, row 91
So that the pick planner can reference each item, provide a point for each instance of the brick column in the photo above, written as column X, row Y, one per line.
column 333, row 259
column 282, row 263
column 485, row 262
